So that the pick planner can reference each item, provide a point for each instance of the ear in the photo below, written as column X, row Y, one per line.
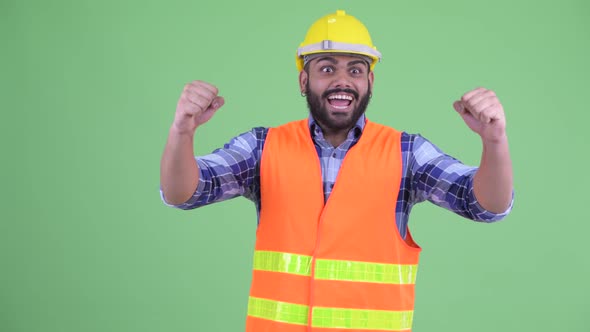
column 303, row 81
column 371, row 77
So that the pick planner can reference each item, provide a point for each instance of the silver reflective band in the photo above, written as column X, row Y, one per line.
column 329, row 45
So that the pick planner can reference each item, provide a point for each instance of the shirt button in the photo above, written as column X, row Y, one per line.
column 334, row 155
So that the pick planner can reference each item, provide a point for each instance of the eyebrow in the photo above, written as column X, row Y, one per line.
column 354, row 62
column 335, row 62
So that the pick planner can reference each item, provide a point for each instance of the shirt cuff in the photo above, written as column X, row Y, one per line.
column 481, row 214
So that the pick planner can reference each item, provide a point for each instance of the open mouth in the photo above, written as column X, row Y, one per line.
column 340, row 101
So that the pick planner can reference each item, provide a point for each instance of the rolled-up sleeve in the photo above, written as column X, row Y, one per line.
column 191, row 203
column 478, row 213
column 446, row 182
column 227, row 172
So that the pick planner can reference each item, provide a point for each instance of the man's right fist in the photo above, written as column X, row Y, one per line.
column 197, row 104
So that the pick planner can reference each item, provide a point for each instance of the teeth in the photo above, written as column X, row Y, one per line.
column 340, row 97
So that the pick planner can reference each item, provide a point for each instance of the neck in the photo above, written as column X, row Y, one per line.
column 334, row 137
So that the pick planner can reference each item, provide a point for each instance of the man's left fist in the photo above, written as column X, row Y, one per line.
column 483, row 113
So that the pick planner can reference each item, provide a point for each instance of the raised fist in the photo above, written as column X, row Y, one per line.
column 483, row 113
column 197, row 104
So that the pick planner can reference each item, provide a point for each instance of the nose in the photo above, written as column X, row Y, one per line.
column 341, row 80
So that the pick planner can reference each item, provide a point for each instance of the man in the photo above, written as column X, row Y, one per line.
column 334, row 192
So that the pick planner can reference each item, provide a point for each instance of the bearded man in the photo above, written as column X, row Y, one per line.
column 334, row 192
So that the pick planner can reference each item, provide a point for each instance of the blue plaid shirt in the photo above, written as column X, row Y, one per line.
column 428, row 174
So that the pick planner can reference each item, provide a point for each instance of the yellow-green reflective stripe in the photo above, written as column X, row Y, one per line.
column 330, row 317
column 365, row 272
column 362, row 319
column 278, row 311
column 335, row 269
column 282, row 262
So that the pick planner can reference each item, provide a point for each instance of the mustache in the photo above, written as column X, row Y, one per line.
column 329, row 92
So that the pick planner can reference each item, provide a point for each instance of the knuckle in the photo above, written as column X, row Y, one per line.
column 193, row 85
column 190, row 97
column 193, row 109
column 183, row 100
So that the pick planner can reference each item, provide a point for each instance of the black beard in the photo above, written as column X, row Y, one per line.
column 320, row 114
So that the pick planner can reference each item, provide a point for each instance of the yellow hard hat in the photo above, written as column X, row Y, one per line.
column 337, row 33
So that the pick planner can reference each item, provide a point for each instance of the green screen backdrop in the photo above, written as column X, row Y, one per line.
column 88, row 92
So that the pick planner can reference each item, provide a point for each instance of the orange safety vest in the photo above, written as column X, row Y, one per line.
column 339, row 266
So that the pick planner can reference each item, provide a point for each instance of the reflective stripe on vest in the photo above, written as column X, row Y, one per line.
column 335, row 269
column 330, row 317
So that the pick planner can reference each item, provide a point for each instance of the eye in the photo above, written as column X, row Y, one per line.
column 327, row 69
column 356, row 71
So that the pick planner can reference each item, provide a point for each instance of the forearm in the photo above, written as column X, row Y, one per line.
column 179, row 172
column 493, row 181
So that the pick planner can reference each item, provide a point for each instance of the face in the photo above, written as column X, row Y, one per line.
column 338, row 89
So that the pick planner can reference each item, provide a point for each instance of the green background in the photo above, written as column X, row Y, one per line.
column 88, row 92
